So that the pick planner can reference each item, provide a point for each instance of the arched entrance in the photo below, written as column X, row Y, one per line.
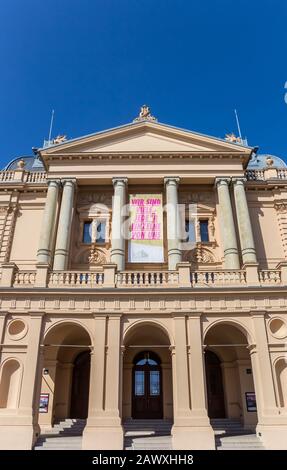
column 147, row 373
column 66, row 373
column 80, row 386
column 147, row 395
column 214, row 385
column 229, row 375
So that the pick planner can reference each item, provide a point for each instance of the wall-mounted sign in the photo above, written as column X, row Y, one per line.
column 44, row 403
column 251, row 401
column 146, row 228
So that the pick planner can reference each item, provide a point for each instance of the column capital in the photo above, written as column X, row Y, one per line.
column 171, row 179
column 71, row 181
column 222, row 180
column 119, row 180
column 56, row 183
column 240, row 181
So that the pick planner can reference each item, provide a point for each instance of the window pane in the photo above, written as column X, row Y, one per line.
column 154, row 383
column 139, row 383
column 101, row 232
column 190, row 230
column 204, row 231
column 87, row 232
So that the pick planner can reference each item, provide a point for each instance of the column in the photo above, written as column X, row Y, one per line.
column 48, row 222
column 231, row 259
column 64, row 226
column 272, row 425
column 104, row 430
column 262, row 369
column 197, row 370
column 118, row 237
column 174, row 252
column 244, row 223
column 191, row 429
column 24, row 423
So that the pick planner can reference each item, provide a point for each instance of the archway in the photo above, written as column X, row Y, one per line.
column 147, row 373
column 66, row 372
column 229, row 375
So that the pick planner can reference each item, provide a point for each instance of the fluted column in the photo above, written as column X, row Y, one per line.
column 244, row 223
column 45, row 243
column 231, row 259
column 118, row 238
column 64, row 226
column 174, row 252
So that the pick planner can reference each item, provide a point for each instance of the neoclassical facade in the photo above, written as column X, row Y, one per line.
column 111, row 311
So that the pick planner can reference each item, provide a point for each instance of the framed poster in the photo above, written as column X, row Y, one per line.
column 44, row 403
column 250, row 401
column 146, row 228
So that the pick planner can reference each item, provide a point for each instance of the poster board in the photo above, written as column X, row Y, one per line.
column 44, row 403
column 250, row 401
column 146, row 228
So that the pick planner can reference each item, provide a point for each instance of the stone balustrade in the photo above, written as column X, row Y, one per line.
column 218, row 278
column 265, row 174
column 269, row 276
column 75, row 279
column 108, row 277
column 16, row 176
column 147, row 279
column 24, row 278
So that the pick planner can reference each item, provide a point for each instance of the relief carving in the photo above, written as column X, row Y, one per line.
column 198, row 255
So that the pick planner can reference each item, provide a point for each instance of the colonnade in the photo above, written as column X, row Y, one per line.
column 226, row 215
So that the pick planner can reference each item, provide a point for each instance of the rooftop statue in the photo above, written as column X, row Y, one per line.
column 232, row 138
column 145, row 115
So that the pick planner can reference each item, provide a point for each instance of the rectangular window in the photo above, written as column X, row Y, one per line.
column 154, row 383
column 87, row 232
column 139, row 383
column 190, row 231
column 204, row 236
column 101, row 232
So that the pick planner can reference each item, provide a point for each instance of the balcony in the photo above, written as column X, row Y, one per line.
column 108, row 277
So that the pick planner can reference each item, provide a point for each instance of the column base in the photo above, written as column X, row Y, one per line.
column 18, row 437
column 103, row 438
column 193, row 438
column 274, row 437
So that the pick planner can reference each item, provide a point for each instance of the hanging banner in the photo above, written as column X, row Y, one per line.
column 146, row 228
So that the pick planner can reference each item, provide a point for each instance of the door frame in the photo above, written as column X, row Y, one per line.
column 147, row 368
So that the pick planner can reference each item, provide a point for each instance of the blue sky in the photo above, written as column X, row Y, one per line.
column 96, row 61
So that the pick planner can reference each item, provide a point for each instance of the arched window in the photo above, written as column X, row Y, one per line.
column 147, row 358
column 10, row 384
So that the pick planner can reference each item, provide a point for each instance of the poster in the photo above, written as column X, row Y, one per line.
column 44, row 403
column 251, row 401
column 146, row 228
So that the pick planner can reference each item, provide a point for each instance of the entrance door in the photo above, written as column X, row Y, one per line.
column 215, row 395
column 80, row 386
column 147, row 402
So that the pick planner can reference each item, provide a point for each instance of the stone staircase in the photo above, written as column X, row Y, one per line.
column 65, row 435
column 230, row 435
column 147, row 434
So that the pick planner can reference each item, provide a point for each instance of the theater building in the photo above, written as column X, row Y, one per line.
column 143, row 277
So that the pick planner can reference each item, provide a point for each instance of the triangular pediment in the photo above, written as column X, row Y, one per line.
column 145, row 137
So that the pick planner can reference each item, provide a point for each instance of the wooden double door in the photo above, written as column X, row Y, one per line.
column 147, row 395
